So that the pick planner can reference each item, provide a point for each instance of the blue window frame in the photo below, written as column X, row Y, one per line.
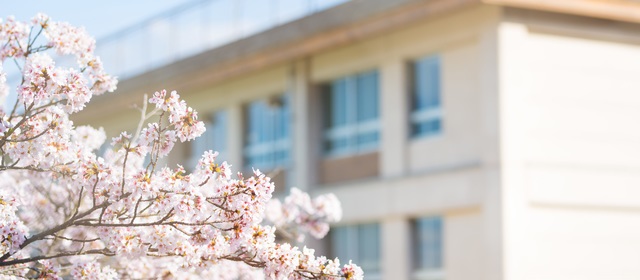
column 361, row 244
column 352, row 114
column 267, row 133
column 429, row 239
column 426, row 113
column 214, row 138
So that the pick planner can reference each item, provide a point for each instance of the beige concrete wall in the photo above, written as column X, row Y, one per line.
column 456, row 38
column 466, row 255
column 240, row 90
column 570, row 147
column 455, row 174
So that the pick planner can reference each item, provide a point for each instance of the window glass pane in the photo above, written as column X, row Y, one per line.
column 267, row 133
column 337, row 144
column 219, row 134
column 252, row 124
column 368, row 247
column 426, row 115
column 339, row 103
column 352, row 108
column 420, row 85
column 427, row 83
column 281, row 118
column 367, row 96
column 358, row 243
column 429, row 238
column 265, row 119
column 433, row 78
column 368, row 140
column 427, row 127
column 344, row 243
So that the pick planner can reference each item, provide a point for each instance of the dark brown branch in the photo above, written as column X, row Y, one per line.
column 135, row 211
column 77, row 208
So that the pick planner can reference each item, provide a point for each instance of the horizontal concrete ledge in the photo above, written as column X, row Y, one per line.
column 578, row 185
column 447, row 190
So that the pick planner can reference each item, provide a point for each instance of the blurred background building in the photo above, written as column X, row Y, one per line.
column 466, row 139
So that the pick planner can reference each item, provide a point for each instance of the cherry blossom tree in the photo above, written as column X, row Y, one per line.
column 66, row 211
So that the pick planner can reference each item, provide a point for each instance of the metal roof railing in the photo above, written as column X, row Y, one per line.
column 196, row 27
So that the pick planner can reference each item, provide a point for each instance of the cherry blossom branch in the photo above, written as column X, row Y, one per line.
column 42, row 235
column 103, row 252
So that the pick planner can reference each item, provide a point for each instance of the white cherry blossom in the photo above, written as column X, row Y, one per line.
column 66, row 211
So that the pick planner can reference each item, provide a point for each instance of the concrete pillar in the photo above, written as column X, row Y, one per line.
column 235, row 141
column 303, row 157
column 393, row 121
column 492, row 211
column 396, row 250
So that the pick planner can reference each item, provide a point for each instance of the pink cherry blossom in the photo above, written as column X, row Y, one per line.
column 66, row 211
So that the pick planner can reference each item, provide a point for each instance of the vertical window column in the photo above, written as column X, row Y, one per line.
column 397, row 247
column 304, row 153
column 394, row 118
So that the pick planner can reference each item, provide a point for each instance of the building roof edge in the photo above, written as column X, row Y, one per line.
column 617, row 10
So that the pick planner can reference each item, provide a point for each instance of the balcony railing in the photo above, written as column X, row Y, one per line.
column 196, row 27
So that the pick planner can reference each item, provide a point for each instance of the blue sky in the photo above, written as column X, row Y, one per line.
column 100, row 18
